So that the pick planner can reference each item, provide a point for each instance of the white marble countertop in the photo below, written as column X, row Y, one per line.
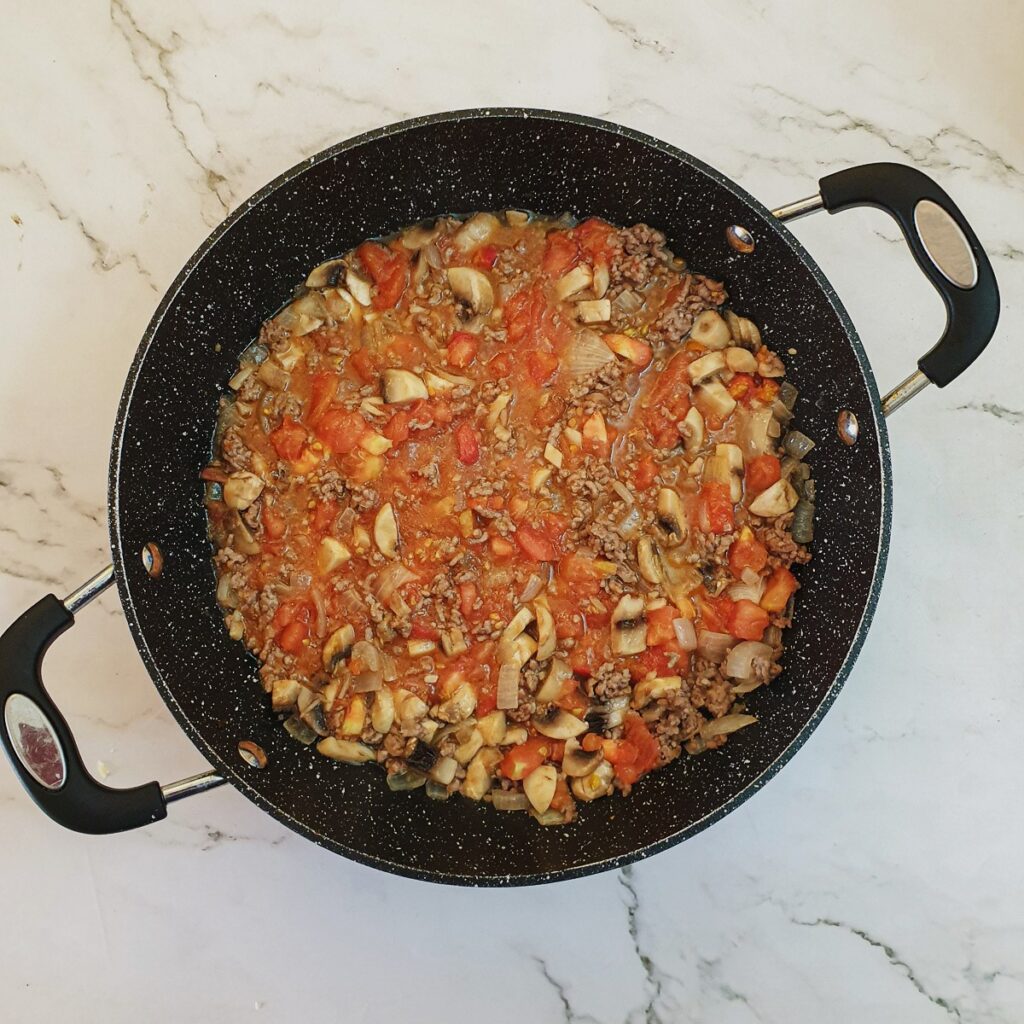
column 877, row 878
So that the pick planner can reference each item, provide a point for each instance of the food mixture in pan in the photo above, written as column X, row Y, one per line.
column 509, row 506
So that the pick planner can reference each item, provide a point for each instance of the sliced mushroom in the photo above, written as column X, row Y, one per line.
column 385, row 531
column 472, row 287
column 775, row 501
column 654, row 689
column 436, row 385
column 469, row 747
column 602, row 278
column 444, row 770
column 715, row 400
column 331, row 555
column 649, row 561
column 459, row 706
column 475, row 231
column 242, row 489
column 607, row 716
column 706, row 367
column 477, row 782
column 693, row 431
column 326, row 275
column 740, row 360
column 400, row 386
column 597, row 784
column 313, row 713
column 577, row 762
column 594, row 311
column 346, row 750
column 338, row 647
column 545, row 632
column 726, row 467
column 744, row 332
column 382, row 714
column 553, row 685
column 518, row 651
column 574, row 281
column 558, row 724
column 274, row 375
column 493, row 728
column 671, row 517
column 242, row 539
column 539, row 787
column 284, row 694
column 359, row 288
column 629, row 626
column 711, row 330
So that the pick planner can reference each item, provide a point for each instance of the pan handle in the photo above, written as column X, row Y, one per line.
column 946, row 249
column 40, row 744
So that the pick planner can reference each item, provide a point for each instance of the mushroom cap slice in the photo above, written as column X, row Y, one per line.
column 558, row 724
column 400, row 386
column 775, row 501
column 539, row 787
column 577, row 763
column 472, row 287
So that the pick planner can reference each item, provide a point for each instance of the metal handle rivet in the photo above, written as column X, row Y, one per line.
column 739, row 238
column 252, row 754
column 152, row 560
column 847, row 427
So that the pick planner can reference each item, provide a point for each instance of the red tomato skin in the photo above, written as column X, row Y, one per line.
column 748, row 621
column 341, row 430
column 747, row 553
column 716, row 507
column 462, row 349
column 781, row 586
column 535, row 545
column 541, row 366
column 761, row 473
column 289, row 439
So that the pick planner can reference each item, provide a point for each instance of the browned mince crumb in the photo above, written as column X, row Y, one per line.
column 460, row 530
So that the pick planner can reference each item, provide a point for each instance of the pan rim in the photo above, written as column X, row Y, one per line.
column 231, row 772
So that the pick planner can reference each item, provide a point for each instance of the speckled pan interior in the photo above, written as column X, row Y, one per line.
column 458, row 162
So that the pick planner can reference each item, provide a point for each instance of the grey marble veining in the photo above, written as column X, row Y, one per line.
column 877, row 877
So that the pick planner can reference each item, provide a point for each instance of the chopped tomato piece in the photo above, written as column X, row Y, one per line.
column 396, row 430
column 541, row 365
column 646, row 472
column 562, row 799
column 341, row 430
column 669, row 402
column 462, row 349
column 288, row 439
column 595, row 239
column 741, row 387
column 322, row 390
column 389, row 269
column 406, row 350
column 537, row 546
column 274, row 524
column 639, row 737
column 291, row 637
column 324, row 515
column 486, row 695
column 467, row 444
column 561, row 253
column 500, row 365
column 761, row 473
column 748, row 620
column 550, row 412
column 767, row 391
column 716, row 512
column 588, row 654
column 715, row 612
column 747, row 552
column 527, row 316
column 781, row 586
column 365, row 365
column 486, row 256
column 619, row 752
column 659, row 625
column 653, row 661
column 525, row 757
column 423, row 631
column 591, row 742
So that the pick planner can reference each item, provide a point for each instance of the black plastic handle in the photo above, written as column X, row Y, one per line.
column 44, row 745
column 972, row 308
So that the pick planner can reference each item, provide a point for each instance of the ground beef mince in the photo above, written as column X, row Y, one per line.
column 495, row 490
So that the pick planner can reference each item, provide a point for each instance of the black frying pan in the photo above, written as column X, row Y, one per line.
column 373, row 185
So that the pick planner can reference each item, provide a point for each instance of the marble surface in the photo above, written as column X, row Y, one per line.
column 877, row 878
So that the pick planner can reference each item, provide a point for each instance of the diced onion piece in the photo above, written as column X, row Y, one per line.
column 534, row 585
column 496, row 408
column 602, row 278
column 331, row 555
column 508, row 687
column 419, row 648
column 713, row 646
column 517, row 624
column 686, row 635
column 797, row 444
column 740, row 662
column 359, row 288
column 509, row 800
column 725, row 725
column 594, row 311
column 545, row 632
column 401, row 386
column 389, row 579
column 345, row 750
column 385, row 531
column 553, row 455
column 241, row 489
column 747, row 591
column 586, row 352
